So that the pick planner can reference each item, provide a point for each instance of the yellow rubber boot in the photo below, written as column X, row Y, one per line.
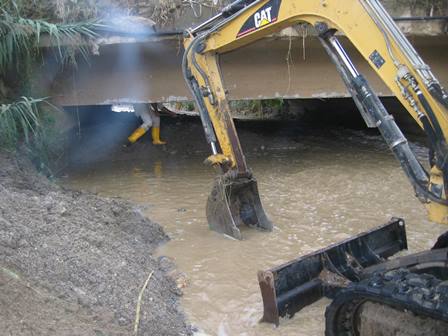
column 137, row 134
column 155, row 132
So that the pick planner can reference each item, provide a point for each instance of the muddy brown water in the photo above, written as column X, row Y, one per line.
column 317, row 187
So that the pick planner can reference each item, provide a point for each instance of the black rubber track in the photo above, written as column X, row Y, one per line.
column 423, row 294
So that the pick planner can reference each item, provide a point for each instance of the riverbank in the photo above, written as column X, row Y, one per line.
column 73, row 263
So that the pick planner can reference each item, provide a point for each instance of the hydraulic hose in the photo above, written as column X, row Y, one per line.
column 439, row 143
column 432, row 117
column 429, row 131
column 439, row 94
column 193, row 85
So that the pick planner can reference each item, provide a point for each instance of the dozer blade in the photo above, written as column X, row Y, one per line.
column 234, row 202
column 288, row 288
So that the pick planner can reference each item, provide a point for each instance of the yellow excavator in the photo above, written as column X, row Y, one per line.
column 355, row 273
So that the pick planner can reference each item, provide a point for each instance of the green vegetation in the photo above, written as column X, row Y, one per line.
column 23, row 120
column 17, row 119
column 257, row 108
column 253, row 108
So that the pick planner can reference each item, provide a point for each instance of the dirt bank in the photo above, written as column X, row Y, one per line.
column 73, row 263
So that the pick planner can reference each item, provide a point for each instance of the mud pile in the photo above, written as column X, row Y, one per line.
column 73, row 263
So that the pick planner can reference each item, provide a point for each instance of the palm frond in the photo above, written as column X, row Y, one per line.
column 19, row 37
column 20, row 41
column 20, row 118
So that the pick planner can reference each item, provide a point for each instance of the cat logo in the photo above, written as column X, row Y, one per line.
column 264, row 16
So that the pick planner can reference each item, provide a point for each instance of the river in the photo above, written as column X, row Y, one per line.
column 318, row 186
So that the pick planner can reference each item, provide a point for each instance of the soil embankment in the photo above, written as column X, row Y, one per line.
column 73, row 263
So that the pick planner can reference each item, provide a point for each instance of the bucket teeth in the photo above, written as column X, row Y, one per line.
column 233, row 203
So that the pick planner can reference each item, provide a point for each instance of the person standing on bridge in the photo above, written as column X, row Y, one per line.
column 150, row 115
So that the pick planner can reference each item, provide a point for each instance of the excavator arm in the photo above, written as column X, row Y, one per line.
column 372, row 31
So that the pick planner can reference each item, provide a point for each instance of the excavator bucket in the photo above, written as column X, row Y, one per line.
column 233, row 203
column 288, row 288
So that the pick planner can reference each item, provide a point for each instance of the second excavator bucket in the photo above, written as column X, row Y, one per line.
column 234, row 202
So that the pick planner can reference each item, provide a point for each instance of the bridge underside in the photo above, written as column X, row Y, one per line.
column 150, row 72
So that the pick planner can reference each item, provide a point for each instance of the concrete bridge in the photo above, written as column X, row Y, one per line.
column 141, row 67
